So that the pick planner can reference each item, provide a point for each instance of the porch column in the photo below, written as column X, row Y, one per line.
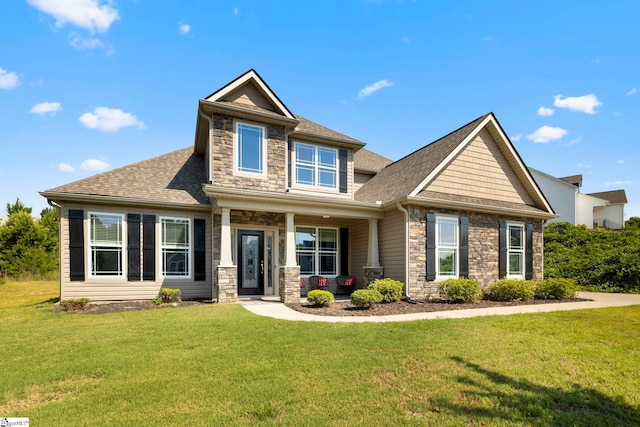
column 290, row 272
column 291, row 242
column 373, row 270
column 373, row 256
column 226, row 259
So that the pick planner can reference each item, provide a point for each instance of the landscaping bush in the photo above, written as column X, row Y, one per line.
column 391, row 290
column 365, row 298
column 320, row 298
column 556, row 289
column 169, row 295
column 511, row 290
column 460, row 290
column 74, row 304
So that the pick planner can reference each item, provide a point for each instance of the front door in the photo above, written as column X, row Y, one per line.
column 250, row 262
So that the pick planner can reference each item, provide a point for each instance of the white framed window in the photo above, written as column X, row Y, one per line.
column 317, row 251
column 250, row 150
column 515, row 250
column 447, row 249
column 316, row 166
column 175, row 246
column 106, row 244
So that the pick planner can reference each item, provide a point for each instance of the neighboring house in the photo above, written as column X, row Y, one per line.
column 265, row 197
column 605, row 209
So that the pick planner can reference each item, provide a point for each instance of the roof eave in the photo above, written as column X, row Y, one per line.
column 121, row 201
column 469, row 206
column 348, row 143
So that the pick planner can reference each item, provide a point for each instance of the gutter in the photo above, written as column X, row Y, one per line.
column 406, row 248
column 127, row 201
column 209, row 143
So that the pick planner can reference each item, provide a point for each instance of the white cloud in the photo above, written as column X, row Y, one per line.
column 621, row 161
column 633, row 91
column 404, row 39
column 184, row 28
column 37, row 83
column 94, row 165
column 92, row 15
column 236, row 11
column 573, row 141
column 46, row 108
column 517, row 137
column 583, row 165
column 107, row 119
column 610, row 183
column 374, row 88
column 65, row 167
column 546, row 134
column 582, row 104
column 82, row 43
column 545, row 112
column 8, row 79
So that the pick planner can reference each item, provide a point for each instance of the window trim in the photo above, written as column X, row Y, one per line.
column 236, row 150
column 316, row 168
column 521, row 251
column 456, row 222
column 123, row 246
column 317, row 252
column 161, row 247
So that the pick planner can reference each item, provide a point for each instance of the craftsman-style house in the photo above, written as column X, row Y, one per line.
column 265, row 198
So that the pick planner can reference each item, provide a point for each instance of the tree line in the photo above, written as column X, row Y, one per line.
column 28, row 245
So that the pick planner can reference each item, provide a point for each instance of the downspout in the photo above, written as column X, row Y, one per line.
column 406, row 248
column 210, row 147
column 57, row 206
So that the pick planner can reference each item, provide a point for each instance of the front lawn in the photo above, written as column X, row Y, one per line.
column 221, row 365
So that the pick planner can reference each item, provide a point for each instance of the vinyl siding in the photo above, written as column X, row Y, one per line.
column 481, row 170
column 249, row 95
column 121, row 289
column 391, row 234
column 359, row 179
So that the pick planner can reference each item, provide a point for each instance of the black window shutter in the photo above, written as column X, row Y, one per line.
column 431, row 247
column 148, row 247
column 464, row 246
column 528, row 256
column 342, row 164
column 344, row 251
column 133, row 247
column 502, row 256
column 290, row 163
column 199, row 260
column 76, row 245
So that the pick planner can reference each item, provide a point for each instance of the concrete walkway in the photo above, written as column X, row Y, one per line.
column 278, row 310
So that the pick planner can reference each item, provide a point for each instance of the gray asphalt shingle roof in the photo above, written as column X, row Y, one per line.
column 175, row 177
column 614, row 196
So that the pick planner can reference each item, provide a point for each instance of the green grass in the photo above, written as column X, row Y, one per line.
column 221, row 365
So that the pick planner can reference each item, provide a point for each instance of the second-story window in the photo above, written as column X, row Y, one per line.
column 316, row 166
column 250, row 149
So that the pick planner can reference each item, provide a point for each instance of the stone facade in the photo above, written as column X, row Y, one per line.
column 227, row 284
column 483, row 248
column 289, row 284
column 372, row 273
column 223, row 158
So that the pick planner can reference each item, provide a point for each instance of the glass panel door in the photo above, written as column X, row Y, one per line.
column 251, row 265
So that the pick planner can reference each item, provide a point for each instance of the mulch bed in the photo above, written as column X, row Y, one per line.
column 345, row 308
column 118, row 307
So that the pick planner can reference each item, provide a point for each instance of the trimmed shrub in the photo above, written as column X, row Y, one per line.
column 320, row 298
column 74, row 304
column 556, row 289
column 460, row 290
column 169, row 295
column 391, row 290
column 511, row 290
column 365, row 298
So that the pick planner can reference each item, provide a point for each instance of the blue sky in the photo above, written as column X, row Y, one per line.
column 90, row 85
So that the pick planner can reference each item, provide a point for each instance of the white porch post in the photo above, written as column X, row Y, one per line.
column 373, row 255
column 290, row 249
column 225, row 239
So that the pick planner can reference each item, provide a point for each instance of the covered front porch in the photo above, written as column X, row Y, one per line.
column 278, row 249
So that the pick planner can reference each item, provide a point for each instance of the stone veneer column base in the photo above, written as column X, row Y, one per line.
column 289, row 284
column 227, row 284
column 372, row 273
